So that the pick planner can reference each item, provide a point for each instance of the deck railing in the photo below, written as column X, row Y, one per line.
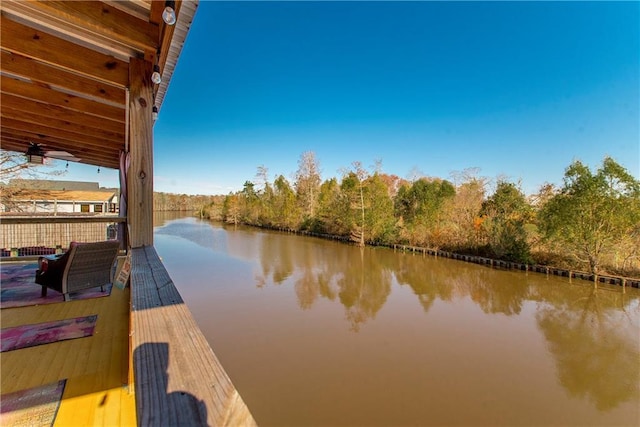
column 24, row 236
column 178, row 378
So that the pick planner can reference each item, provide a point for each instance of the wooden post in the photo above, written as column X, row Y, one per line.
column 140, row 176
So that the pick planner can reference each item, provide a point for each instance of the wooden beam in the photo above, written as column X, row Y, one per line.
column 28, row 69
column 140, row 176
column 38, row 45
column 101, row 19
column 45, row 120
column 155, row 14
column 53, row 97
column 137, row 8
column 60, row 113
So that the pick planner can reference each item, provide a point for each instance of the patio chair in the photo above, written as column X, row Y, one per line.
column 83, row 266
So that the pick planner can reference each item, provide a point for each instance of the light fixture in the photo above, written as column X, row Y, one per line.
column 154, row 113
column 98, row 169
column 67, row 167
column 35, row 154
column 156, row 77
column 169, row 12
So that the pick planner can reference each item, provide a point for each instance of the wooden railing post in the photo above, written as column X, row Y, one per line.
column 140, row 176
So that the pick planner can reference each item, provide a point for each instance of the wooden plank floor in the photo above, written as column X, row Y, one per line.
column 96, row 367
column 178, row 378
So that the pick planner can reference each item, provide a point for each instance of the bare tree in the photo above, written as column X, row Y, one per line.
column 307, row 183
column 14, row 165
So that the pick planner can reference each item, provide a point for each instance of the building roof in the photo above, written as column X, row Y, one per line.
column 47, row 184
column 63, row 196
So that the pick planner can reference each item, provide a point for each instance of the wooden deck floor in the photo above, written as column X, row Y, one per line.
column 96, row 367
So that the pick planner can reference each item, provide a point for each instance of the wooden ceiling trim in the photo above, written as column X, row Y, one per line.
column 46, row 120
column 102, row 19
column 16, row 142
column 34, row 107
column 173, row 47
column 155, row 13
column 50, row 96
column 23, row 13
column 43, row 133
column 66, row 141
column 38, row 45
column 29, row 69
column 167, row 34
column 139, row 9
column 84, row 153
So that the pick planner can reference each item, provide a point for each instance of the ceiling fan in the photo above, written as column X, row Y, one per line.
column 36, row 154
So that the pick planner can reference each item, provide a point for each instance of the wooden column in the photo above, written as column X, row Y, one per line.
column 140, row 176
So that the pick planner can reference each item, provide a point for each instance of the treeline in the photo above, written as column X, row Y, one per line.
column 183, row 202
column 591, row 222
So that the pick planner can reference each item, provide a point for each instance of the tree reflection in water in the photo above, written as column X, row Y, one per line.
column 494, row 291
column 593, row 341
column 361, row 282
column 595, row 344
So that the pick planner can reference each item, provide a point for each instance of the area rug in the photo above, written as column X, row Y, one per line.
column 45, row 333
column 18, row 288
column 36, row 406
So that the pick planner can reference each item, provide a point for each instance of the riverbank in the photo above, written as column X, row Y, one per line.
column 491, row 262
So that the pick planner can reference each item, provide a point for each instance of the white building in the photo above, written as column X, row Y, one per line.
column 58, row 197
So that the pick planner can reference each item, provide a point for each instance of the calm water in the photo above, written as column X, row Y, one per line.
column 314, row 332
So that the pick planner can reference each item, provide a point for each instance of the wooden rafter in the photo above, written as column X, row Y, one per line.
column 64, row 71
column 40, row 93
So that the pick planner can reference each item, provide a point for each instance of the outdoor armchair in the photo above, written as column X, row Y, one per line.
column 83, row 266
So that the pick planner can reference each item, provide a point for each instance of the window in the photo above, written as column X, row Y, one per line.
column 84, row 208
column 97, row 208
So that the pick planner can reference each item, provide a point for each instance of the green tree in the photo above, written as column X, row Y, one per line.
column 249, row 204
column 329, row 202
column 593, row 211
column 285, row 207
column 506, row 213
column 353, row 192
column 379, row 219
column 420, row 208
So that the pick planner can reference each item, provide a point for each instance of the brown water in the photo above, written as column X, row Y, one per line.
column 314, row 332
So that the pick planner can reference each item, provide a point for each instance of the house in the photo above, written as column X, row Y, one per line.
column 59, row 197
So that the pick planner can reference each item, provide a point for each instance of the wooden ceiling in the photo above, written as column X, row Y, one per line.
column 64, row 71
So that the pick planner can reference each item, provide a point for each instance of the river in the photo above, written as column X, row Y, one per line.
column 316, row 332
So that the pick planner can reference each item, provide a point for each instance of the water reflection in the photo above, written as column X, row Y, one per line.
column 594, row 347
column 516, row 348
column 357, row 277
column 594, row 343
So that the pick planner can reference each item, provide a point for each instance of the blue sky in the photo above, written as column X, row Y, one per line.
column 515, row 89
